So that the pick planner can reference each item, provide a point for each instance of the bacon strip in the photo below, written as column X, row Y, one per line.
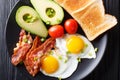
column 36, row 43
column 32, row 62
column 28, row 61
column 22, row 48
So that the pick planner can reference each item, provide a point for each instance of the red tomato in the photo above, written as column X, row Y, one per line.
column 71, row 26
column 56, row 31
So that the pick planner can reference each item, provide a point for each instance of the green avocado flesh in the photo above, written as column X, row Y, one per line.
column 28, row 19
column 50, row 12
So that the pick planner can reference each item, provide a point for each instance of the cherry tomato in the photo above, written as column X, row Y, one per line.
column 56, row 31
column 71, row 26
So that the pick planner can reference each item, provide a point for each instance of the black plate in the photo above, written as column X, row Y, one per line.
column 84, row 68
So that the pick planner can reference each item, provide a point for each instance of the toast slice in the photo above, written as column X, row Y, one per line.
column 74, row 5
column 90, row 14
column 60, row 1
column 109, row 22
column 90, row 18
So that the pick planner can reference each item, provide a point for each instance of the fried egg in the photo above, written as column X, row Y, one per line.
column 56, row 65
column 75, row 45
column 63, row 60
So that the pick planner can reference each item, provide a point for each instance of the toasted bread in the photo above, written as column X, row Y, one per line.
column 91, row 17
column 60, row 1
column 90, row 14
column 109, row 22
column 74, row 5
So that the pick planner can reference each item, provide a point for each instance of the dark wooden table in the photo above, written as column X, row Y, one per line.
column 108, row 68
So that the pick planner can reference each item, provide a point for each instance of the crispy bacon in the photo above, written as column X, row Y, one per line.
column 32, row 61
column 27, row 61
column 31, row 55
column 22, row 48
column 22, row 35
column 35, row 44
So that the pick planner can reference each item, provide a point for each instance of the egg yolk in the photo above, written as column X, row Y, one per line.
column 75, row 44
column 50, row 64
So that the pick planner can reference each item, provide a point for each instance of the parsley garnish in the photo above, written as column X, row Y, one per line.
column 43, row 39
column 96, row 49
column 35, row 58
column 79, row 59
column 68, row 52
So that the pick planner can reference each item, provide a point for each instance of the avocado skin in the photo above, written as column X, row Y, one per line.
column 36, row 27
column 42, row 5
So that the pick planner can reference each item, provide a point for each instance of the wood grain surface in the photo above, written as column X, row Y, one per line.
column 108, row 68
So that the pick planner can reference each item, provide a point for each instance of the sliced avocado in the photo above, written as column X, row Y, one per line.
column 50, row 12
column 28, row 19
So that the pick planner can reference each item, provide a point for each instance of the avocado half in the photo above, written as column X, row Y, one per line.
column 50, row 12
column 28, row 19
